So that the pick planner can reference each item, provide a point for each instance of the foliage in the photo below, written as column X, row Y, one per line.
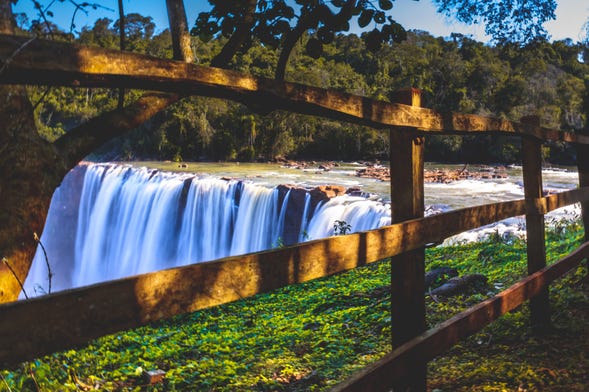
column 456, row 74
column 341, row 227
column 310, row 336
column 506, row 20
column 279, row 23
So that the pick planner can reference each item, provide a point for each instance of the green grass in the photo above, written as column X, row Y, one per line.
column 311, row 336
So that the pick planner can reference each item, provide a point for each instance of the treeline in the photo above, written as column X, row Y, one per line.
column 456, row 74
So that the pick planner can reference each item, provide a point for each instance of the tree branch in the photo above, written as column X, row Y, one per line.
column 237, row 39
column 121, row 102
column 288, row 45
column 79, row 142
column 306, row 22
column 84, row 139
column 179, row 29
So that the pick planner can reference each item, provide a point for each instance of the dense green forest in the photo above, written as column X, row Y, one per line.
column 455, row 74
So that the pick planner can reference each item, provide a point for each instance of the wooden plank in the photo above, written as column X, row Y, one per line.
column 63, row 64
column 544, row 205
column 69, row 318
column 66, row 319
column 583, row 169
column 535, row 227
column 407, row 269
column 379, row 375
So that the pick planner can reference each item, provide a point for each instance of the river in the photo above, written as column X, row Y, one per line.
column 109, row 221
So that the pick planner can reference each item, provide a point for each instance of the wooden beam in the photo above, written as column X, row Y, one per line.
column 544, row 205
column 379, row 376
column 407, row 269
column 535, row 227
column 64, row 64
column 70, row 318
column 583, row 170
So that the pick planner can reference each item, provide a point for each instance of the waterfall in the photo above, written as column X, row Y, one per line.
column 122, row 221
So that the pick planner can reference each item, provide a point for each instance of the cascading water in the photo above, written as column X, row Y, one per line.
column 135, row 220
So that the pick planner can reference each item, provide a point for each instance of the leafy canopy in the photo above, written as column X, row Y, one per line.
column 275, row 21
column 505, row 20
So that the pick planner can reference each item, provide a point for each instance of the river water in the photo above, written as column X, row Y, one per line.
column 455, row 195
column 108, row 221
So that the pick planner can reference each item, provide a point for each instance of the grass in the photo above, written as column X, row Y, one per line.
column 311, row 336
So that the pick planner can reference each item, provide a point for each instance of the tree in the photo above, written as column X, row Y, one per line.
column 280, row 23
column 31, row 167
column 505, row 20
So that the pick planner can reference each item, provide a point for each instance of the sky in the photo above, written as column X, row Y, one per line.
column 571, row 15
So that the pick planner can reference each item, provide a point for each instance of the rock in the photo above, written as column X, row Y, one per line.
column 354, row 191
column 377, row 172
column 326, row 192
column 294, row 211
column 152, row 377
column 461, row 285
column 439, row 275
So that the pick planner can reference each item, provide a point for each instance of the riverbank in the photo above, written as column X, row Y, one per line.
column 313, row 335
column 440, row 175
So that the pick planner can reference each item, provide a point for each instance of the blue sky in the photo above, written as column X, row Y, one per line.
column 422, row 15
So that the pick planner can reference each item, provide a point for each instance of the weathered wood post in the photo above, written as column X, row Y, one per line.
column 583, row 169
column 408, row 269
column 536, row 244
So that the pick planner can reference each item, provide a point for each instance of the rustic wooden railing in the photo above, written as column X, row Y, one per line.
column 67, row 319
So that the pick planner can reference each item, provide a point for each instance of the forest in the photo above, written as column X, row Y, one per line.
column 505, row 80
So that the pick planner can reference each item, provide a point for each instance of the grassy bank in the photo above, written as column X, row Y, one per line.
column 311, row 336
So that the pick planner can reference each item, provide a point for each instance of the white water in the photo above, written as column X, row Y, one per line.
column 136, row 220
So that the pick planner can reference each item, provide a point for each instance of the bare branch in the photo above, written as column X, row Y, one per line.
column 5, row 261
column 49, row 272
column 14, row 54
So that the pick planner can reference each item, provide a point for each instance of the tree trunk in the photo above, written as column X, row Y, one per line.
column 30, row 171
column 32, row 168
column 179, row 29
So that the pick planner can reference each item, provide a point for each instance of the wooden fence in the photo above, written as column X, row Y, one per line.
column 68, row 319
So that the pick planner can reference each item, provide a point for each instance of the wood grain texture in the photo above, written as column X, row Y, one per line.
column 407, row 269
column 535, row 226
column 64, row 64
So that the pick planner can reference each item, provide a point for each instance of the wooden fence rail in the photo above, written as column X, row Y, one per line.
column 381, row 375
column 70, row 318
column 66, row 319
column 64, row 64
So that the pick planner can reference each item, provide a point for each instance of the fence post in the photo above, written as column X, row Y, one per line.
column 583, row 169
column 408, row 269
column 536, row 244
